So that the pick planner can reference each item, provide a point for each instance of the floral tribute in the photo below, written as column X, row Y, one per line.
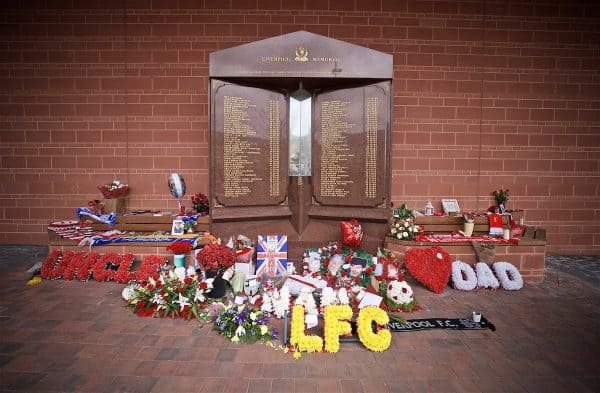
column 341, row 266
column 430, row 266
column 179, row 247
column 335, row 320
column 244, row 324
column 116, row 189
column 404, row 229
column 465, row 278
column 216, row 257
column 336, row 323
column 81, row 266
column 500, row 195
column 200, row 202
column 170, row 296
column 115, row 267
column 379, row 341
column 398, row 296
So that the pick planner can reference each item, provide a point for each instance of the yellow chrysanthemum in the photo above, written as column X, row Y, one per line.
column 336, row 324
column 377, row 342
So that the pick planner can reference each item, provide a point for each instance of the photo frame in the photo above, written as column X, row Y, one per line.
column 450, row 206
column 177, row 228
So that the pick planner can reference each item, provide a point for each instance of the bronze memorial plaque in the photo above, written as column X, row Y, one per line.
column 350, row 146
column 331, row 100
column 249, row 145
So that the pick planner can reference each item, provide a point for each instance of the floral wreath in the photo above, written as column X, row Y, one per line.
column 343, row 276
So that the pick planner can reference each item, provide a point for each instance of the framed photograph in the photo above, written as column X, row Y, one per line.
column 177, row 228
column 450, row 206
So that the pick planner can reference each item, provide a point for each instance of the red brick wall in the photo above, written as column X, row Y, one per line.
column 87, row 98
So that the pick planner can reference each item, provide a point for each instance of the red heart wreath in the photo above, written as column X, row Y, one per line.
column 429, row 266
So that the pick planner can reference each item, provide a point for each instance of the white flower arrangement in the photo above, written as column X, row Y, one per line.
column 404, row 229
column 281, row 302
column 331, row 297
column 307, row 300
column 508, row 275
column 463, row 276
column 399, row 292
column 485, row 277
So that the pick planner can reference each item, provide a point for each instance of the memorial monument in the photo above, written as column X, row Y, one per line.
column 300, row 139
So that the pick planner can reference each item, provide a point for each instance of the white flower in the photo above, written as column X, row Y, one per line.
column 346, row 266
column 343, row 296
column 406, row 224
column 399, row 292
column 263, row 330
column 415, row 229
column 151, row 281
column 199, row 297
column 253, row 316
column 158, row 299
column 240, row 331
column 404, row 234
column 397, row 225
column 399, row 235
column 182, row 301
column 235, row 339
column 180, row 273
column 439, row 255
column 394, row 231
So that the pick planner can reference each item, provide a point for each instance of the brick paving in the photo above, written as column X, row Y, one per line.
column 70, row 336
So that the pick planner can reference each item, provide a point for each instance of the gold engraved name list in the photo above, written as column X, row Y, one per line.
column 335, row 152
column 238, row 161
column 274, row 143
column 371, row 147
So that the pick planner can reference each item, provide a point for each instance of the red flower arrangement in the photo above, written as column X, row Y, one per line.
column 430, row 266
column 216, row 257
column 149, row 268
column 179, row 247
column 103, row 269
column 78, row 266
column 53, row 265
column 200, row 202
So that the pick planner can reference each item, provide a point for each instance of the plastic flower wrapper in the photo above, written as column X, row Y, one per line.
column 244, row 324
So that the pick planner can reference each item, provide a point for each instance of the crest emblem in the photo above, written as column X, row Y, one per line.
column 301, row 54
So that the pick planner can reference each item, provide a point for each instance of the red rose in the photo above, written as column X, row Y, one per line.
column 326, row 262
column 344, row 274
column 188, row 281
column 356, row 280
column 180, row 290
column 348, row 258
column 203, row 285
column 338, row 251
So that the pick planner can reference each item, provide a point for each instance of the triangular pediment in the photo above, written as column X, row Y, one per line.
column 300, row 54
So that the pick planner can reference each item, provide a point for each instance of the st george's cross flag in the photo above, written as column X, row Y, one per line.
column 271, row 255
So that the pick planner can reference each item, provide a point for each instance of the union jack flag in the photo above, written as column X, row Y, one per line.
column 271, row 255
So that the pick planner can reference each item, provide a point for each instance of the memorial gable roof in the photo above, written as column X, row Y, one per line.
column 300, row 55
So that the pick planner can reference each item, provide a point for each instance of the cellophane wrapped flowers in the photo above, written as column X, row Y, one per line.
column 244, row 324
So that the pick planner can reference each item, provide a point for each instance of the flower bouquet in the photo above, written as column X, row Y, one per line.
column 216, row 257
column 170, row 295
column 179, row 247
column 200, row 203
column 500, row 195
column 244, row 324
column 244, row 249
column 113, row 190
column 404, row 229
